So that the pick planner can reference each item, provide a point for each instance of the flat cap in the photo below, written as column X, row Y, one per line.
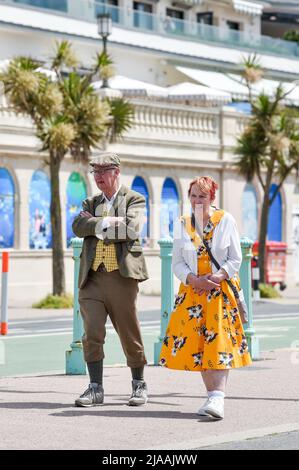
column 106, row 159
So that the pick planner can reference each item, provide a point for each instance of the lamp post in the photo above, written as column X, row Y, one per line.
column 104, row 29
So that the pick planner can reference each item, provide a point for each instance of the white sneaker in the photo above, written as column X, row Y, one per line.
column 202, row 410
column 214, row 407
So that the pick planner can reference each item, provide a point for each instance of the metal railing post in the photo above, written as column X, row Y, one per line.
column 245, row 277
column 167, row 292
column 75, row 363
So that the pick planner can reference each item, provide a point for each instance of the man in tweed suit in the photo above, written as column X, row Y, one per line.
column 112, row 265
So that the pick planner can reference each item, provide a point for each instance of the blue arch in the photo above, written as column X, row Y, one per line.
column 275, row 217
column 250, row 212
column 140, row 186
column 169, row 207
column 40, row 233
column 75, row 194
column 7, row 209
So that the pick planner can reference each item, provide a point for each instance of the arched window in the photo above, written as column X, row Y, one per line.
column 169, row 208
column 250, row 213
column 40, row 233
column 75, row 194
column 140, row 186
column 275, row 217
column 7, row 209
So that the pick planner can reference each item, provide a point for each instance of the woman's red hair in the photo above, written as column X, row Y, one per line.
column 206, row 184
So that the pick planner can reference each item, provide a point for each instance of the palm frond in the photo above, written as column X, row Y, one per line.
column 64, row 56
column 122, row 116
column 57, row 134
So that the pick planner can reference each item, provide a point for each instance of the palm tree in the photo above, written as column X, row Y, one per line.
column 69, row 117
column 269, row 150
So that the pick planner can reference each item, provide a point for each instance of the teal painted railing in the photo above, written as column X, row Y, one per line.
column 162, row 24
column 166, row 245
column 75, row 364
column 167, row 297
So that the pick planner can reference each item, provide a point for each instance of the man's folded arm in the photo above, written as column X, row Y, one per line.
column 84, row 226
column 130, row 228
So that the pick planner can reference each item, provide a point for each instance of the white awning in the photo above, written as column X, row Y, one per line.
column 216, row 80
column 235, row 84
column 132, row 87
column 269, row 87
column 194, row 92
column 49, row 73
column 249, row 8
column 4, row 65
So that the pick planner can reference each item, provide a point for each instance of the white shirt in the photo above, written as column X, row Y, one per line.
column 225, row 248
column 104, row 224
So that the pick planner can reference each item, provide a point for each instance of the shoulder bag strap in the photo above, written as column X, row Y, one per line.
column 215, row 262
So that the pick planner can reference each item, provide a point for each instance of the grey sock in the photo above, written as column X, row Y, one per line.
column 95, row 370
column 137, row 373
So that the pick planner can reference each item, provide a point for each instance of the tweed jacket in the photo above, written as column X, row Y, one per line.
column 128, row 204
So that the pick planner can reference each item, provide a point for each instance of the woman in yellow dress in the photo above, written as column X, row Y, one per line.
column 205, row 332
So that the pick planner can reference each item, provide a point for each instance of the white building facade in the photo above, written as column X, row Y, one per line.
column 172, row 140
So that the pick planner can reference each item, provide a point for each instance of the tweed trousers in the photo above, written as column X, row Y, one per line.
column 110, row 294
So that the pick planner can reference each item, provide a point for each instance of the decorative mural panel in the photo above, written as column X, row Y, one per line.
column 75, row 194
column 40, row 233
column 140, row 186
column 169, row 207
column 7, row 209
column 249, row 213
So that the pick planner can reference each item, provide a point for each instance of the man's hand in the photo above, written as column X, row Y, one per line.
column 85, row 214
column 114, row 221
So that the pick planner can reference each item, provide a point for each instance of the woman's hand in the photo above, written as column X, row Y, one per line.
column 218, row 277
column 202, row 284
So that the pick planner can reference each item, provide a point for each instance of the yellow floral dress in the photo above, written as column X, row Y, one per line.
column 205, row 331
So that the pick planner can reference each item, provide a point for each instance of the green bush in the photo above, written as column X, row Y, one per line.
column 267, row 291
column 55, row 301
column 291, row 36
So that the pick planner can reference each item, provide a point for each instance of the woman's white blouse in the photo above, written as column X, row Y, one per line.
column 225, row 247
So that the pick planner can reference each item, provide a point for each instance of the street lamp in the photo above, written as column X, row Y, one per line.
column 104, row 29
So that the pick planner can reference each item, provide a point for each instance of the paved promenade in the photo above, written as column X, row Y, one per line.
column 37, row 412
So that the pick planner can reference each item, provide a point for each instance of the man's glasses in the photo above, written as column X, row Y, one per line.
column 101, row 172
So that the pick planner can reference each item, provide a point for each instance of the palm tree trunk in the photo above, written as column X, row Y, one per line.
column 263, row 235
column 57, row 245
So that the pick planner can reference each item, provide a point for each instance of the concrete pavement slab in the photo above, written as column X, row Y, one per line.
column 273, row 441
column 37, row 412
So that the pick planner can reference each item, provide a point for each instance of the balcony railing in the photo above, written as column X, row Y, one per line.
column 163, row 25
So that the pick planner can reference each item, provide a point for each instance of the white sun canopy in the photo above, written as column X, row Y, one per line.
column 134, row 87
column 235, row 84
column 194, row 92
column 269, row 87
column 216, row 80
